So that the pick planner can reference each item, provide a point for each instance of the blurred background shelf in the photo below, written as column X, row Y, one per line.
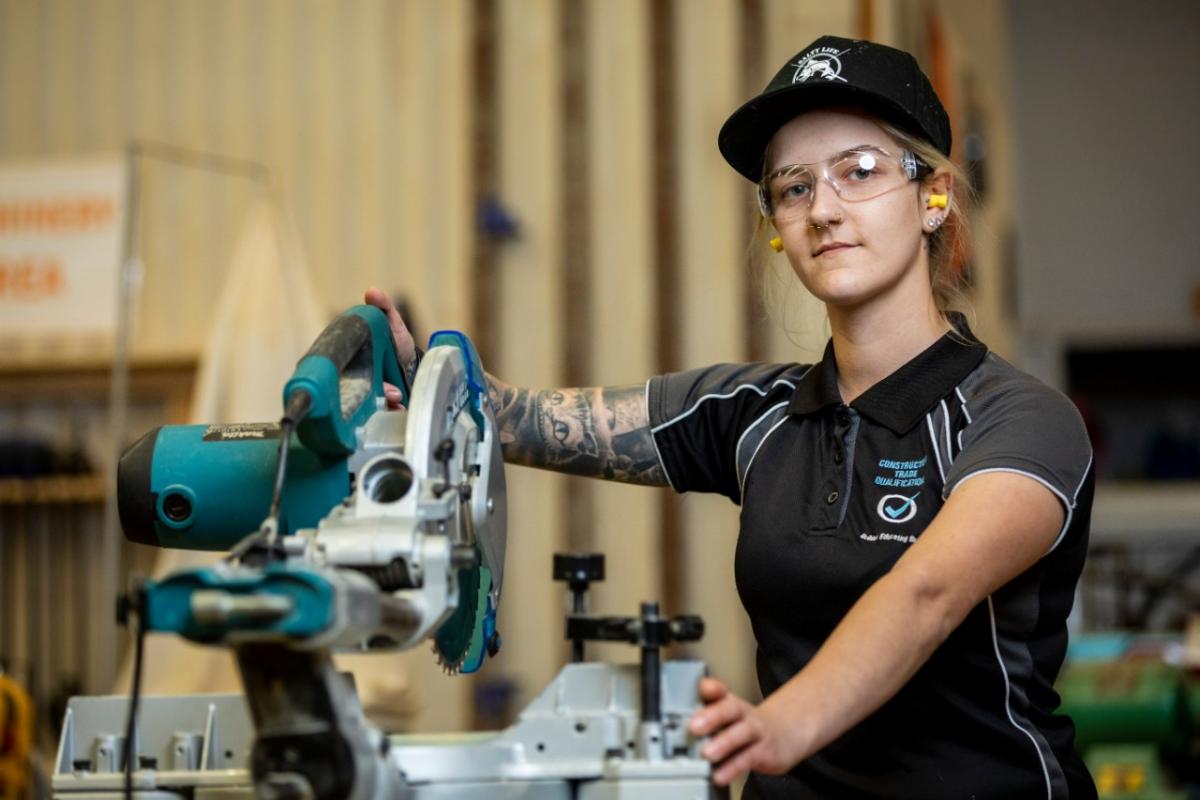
column 1146, row 510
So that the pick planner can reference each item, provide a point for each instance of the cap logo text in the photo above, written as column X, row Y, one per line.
column 824, row 63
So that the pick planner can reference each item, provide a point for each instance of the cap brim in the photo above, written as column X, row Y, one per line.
column 745, row 135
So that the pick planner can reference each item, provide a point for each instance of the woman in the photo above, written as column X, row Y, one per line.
column 914, row 509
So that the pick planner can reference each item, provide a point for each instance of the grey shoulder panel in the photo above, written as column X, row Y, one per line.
column 1008, row 420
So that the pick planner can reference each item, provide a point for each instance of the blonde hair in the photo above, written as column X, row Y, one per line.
column 949, row 244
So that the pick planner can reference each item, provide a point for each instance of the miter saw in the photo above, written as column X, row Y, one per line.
column 413, row 547
column 352, row 526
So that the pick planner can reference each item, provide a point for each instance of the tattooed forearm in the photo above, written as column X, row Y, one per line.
column 596, row 432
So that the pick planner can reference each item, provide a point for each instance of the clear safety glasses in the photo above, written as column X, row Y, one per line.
column 860, row 174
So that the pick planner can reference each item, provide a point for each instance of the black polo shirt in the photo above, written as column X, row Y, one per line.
column 833, row 494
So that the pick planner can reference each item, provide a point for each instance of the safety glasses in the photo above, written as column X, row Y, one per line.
column 863, row 173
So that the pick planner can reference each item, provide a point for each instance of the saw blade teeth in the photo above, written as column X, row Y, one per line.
column 447, row 667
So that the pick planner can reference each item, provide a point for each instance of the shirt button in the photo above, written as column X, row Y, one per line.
column 837, row 457
column 843, row 418
column 833, row 496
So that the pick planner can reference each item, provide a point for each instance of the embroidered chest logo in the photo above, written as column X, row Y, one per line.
column 824, row 62
column 897, row 508
column 901, row 474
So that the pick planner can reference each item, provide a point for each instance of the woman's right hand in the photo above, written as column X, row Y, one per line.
column 406, row 349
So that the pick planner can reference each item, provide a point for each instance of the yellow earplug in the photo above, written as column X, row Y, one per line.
column 938, row 200
column 777, row 244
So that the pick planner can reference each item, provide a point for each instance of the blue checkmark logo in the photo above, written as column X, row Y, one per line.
column 897, row 508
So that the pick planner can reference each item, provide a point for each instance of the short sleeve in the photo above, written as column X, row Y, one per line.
column 1026, row 427
column 698, row 416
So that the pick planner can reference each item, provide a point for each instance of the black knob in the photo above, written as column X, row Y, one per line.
column 578, row 569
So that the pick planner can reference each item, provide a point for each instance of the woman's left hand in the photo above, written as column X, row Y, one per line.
column 744, row 737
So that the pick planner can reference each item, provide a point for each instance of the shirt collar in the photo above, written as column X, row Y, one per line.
column 902, row 398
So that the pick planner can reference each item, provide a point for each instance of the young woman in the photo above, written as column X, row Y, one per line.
column 914, row 509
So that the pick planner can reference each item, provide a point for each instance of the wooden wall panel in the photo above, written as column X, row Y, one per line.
column 20, row 78
column 711, row 206
column 530, row 318
column 362, row 222
column 432, row 186
column 625, row 520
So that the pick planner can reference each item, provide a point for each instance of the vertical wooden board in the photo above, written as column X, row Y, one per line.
column 622, row 282
column 19, row 656
column 326, row 191
column 449, row 180
column 407, row 161
column 147, row 86
column 711, row 207
column 410, row 271
column 365, row 138
column 530, row 324
column 436, row 195
column 196, row 267
column 282, row 133
column 62, row 38
column 21, row 34
column 386, row 100
column 293, row 128
column 104, row 50
column 886, row 16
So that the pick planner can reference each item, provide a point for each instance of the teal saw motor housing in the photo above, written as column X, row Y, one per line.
column 206, row 487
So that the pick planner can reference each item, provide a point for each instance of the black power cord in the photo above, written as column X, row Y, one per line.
column 133, row 604
column 297, row 408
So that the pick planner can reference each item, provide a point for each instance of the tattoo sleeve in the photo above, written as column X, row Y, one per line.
column 595, row 432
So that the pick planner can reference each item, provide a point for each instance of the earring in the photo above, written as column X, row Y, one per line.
column 933, row 222
column 777, row 244
column 938, row 200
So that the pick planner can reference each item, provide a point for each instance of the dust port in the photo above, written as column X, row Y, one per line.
column 387, row 480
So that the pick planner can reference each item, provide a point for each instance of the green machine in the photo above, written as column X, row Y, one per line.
column 1137, row 717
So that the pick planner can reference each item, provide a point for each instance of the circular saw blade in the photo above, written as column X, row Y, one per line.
column 440, row 409
column 461, row 641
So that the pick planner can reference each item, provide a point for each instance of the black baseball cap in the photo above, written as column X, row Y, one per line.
column 831, row 72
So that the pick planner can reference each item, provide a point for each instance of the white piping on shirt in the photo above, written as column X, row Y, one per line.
column 1007, row 693
column 963, row 400
column 654, row 441
column 767, row 435
column 726, row 396
column 966, row 413
column 751, row 427
column 1069, row 505
column 946, row 420
column 933, row 439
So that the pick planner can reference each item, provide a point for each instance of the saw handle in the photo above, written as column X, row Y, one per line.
column 343, row 373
